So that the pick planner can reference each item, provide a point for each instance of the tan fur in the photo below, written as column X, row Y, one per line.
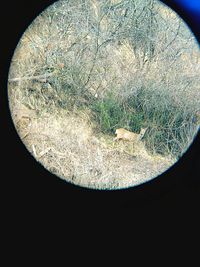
column 129, row 136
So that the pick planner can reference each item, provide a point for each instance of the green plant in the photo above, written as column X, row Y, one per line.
column 111, row 114
column 108, row 113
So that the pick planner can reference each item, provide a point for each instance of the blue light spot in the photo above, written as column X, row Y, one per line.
column 192, row 5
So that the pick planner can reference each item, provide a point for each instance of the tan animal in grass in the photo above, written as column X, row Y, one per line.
column 124, row 134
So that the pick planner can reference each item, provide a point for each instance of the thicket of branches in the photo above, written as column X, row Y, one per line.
column 132, row 63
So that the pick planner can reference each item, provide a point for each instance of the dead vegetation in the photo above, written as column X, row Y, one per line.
column 67, row 146
column 58, row 72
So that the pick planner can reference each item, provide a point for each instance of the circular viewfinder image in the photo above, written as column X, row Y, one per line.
column 105, row 94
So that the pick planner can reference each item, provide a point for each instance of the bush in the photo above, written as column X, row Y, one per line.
column 170, row 126
column 108, row 113
column 111, row 114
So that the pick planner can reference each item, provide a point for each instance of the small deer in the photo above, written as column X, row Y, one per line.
column 129, row 136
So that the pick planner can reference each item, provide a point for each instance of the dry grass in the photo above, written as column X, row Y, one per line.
column 66, row 144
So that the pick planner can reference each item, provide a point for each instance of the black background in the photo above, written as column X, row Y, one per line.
column 28, row 188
